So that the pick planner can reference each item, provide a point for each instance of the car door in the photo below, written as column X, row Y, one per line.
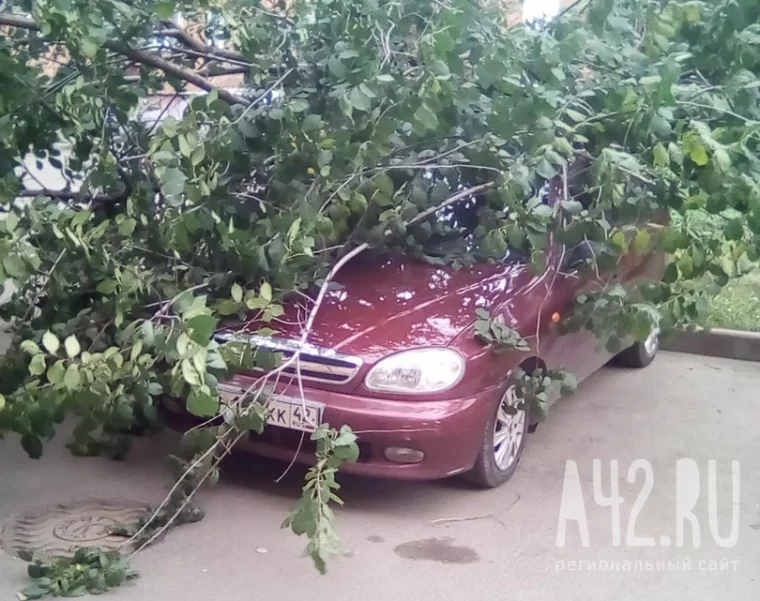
column 581, row 351
column 578, row 350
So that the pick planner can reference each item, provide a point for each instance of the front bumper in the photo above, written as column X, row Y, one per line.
column 448, row 432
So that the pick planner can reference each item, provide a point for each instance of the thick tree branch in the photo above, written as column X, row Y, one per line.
column 211, row 56
column 142, row 57
column 151, row 60
column 195, row 44
column 18, row 21
column 99, row 199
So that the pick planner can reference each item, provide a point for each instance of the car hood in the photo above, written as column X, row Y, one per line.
column 381, row 305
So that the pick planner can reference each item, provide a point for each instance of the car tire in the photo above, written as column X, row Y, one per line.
column 503, row 442
column 640, row 354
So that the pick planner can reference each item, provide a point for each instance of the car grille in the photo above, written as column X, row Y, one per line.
column 316, row 364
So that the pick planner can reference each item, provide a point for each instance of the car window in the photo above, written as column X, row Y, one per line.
column 459, row 222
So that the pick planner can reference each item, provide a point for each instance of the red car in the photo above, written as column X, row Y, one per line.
column 393, row 355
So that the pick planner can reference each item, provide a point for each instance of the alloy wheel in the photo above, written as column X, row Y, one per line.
column 509, row 429
column 652, row 342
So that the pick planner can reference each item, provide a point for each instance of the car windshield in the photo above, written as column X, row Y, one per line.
column 456, row 235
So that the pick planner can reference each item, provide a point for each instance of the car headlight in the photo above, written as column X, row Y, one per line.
column 419, row 371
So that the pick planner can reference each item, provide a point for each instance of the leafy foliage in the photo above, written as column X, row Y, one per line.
column 540, row 387
column 89, row 571
column 354, row 124
column 495, row 332
column 313, row 515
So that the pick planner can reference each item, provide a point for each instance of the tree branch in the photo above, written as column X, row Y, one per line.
column 64, row 195
column 18, row 21
column 195, row 44
column 142, row 57
column 147, row 58
column 451, row 200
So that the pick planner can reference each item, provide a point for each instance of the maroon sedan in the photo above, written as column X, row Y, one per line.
column 393, row 354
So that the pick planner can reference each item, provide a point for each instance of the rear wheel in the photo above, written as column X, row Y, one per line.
column 503, row 442
column 640, row 354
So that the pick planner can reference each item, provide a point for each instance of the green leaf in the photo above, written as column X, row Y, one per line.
column 619, row 240
column 698, row 153
column 545, row 169
column 384, row 184
column 324, row 158
column 298, row 105
column 169, row 127
column 661, row 126
column 538, row 261
column 734, row 229
column 37, row 365
column 425, row 116
column 89, row 47
column 202, row 404
column 266, row 359
column 311, row 123
column 50, row 342
column 722, row 159
column 136, row 351
column 71, row 379
column 14, row 266
column 336, row 67
column 29, row 346
column 575, row 115
column 173, row 182
column 202, row 328
column 199, row 153
column 184, row 146
column 359, row 100
column 11, row 221
column 266, row 292
column 107, row 286
column 147, row 332
column 642, row 241
column 661, row 156
column 127, row 226
column 56, row 373
column 165, row 9
column 2, row 402
column 237, row 293
column 227, row 307
column 572, row 206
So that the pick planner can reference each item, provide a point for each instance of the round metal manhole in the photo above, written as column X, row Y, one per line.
column 61, row 528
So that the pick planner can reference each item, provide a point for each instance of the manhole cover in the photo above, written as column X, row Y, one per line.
column 61, row 528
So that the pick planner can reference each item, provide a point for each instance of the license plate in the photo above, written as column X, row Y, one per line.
column 296, row 414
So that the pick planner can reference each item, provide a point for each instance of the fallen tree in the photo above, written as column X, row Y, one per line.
column 355, row 124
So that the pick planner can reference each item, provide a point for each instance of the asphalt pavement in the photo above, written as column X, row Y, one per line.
column 444, row 540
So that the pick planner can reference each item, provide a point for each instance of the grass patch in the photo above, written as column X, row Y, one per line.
column 738, row 305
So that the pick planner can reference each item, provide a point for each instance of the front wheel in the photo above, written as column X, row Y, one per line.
column 503, row 441
column 640, row 354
